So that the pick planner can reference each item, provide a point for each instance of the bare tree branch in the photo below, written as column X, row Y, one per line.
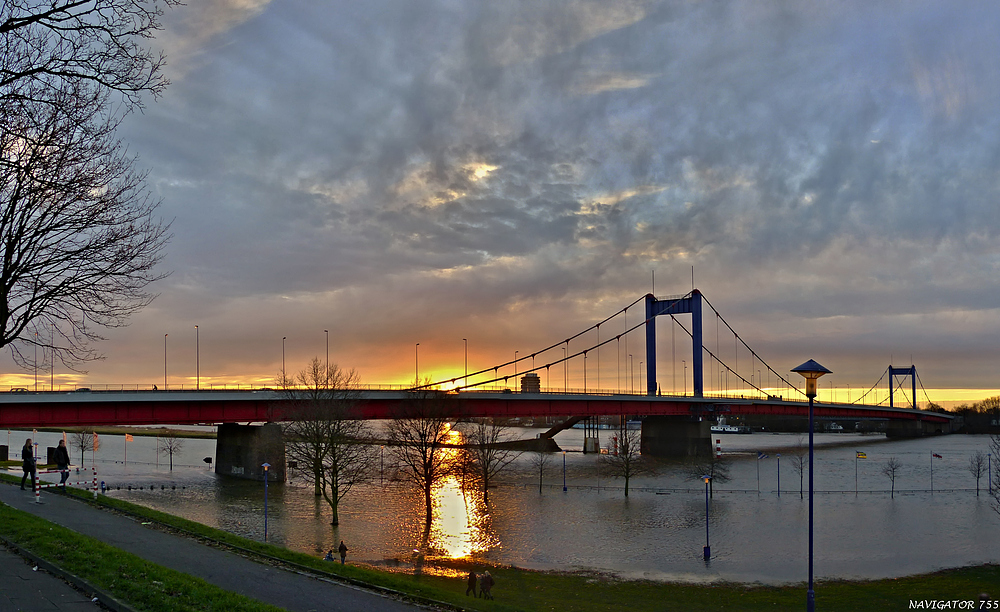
column 329, row 445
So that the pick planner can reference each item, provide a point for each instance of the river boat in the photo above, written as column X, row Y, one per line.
column 731, row 429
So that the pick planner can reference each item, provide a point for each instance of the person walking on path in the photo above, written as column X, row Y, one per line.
column 28, row 464
column 472, row 585
column 485, row 584
column 62, row 462
column 343, row 552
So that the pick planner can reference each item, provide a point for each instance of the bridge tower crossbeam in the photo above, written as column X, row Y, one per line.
column 912, row 373
column 689, row 304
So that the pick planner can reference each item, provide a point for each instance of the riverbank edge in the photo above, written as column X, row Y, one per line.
column 837, row 594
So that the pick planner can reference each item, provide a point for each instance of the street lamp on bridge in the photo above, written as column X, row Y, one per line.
column 811, row 371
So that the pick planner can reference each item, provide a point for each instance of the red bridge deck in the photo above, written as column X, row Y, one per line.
column 206, row 407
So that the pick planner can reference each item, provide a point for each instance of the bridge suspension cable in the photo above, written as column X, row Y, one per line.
column 753, row 353
column 496, row 368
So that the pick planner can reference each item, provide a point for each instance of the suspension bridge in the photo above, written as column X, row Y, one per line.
column 727, row 379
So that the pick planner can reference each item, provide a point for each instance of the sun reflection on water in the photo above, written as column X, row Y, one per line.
column 462, row 526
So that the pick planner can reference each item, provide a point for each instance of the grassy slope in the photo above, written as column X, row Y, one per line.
column 529, row 590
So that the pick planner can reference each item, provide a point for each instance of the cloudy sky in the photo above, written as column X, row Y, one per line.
column 403, row 171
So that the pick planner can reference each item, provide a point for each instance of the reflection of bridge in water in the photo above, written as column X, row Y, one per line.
column 673, row 423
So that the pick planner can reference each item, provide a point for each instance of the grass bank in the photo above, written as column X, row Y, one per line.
column 530, row 591
column 128, row 578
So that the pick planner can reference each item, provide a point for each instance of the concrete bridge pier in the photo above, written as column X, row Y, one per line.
column 915, row 429
column 241, row 449
column 675, row 436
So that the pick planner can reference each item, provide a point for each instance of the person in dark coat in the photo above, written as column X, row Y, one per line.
column 485, row 585
column 472, row 585
column 61, row 457
column 343, row 552
column 28, row 463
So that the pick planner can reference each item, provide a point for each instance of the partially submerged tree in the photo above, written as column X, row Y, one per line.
column 82, row 441
column 169, row 444
column 485, row 454
column 891, row 470
column 717, row 468
column 539, row 460
column 800, row 461
column 78, row 240
column 624, row 459
column 995, row 452
column 420, row 436
column 977, row 467
column 327, row 441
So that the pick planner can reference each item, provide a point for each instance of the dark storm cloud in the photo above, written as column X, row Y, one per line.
column 809, row 160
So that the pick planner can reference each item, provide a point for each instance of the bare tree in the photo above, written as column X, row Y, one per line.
column 539, row 460
column 169, row 444
column 799, row 462
column 331, row 446
column 715, row 467
column 995, row 452
column 891, row 470
column 77, row 234
column 48, row 44
column 78, row 238
column 977, row 467
column 419, row 437
column 485, row 454
column 625, row 461
column 82, row 441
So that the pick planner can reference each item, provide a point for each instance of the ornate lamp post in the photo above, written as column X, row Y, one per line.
column 811, row 371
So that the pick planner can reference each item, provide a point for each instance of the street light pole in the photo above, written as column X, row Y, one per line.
column 165, row 361
column 265, row 466
column 284, row 380
column 327, row 332
column 708, row 549
column 564, row 471
column 811, row 371
column 197, row 359
column 466, row 379
column 416, row 365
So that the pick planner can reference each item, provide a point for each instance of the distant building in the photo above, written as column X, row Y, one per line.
column 530, row 383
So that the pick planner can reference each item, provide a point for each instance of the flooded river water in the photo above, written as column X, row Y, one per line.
column 656, row 533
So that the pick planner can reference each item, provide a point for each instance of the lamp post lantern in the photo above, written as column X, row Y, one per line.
column 265, row 466
column 327, row 332
column 165, row 361
column 811, row 371
column 197, row 359
column 284, row 381
column 466, row 379
column 416, row 365
column 708, row 549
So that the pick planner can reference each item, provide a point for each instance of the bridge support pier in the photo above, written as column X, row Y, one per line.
column 914, row 429
column 241, row 449
column 675, row 436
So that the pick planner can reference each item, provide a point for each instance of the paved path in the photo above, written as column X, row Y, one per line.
column 28, row 590
column 283, row 588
